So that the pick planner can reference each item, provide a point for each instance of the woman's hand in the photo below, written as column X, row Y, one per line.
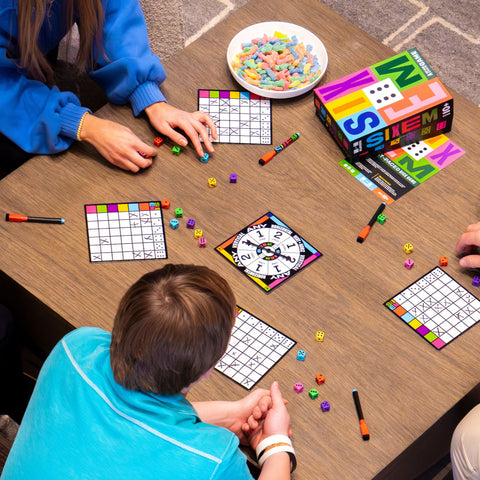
column 165, row 118
column 117, row 144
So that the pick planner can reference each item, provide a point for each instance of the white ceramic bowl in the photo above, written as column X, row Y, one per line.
column 258, row 30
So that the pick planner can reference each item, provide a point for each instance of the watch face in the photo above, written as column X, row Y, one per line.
column 268, row 251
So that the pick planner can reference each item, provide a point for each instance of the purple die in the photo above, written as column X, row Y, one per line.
column 476, row 281
column 325, row 406
column 190, row 223
column 233, row 178
column 298, row 387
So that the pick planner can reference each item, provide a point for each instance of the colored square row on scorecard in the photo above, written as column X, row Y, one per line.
column 240, row 117
column 437, row 307
column 125, row 231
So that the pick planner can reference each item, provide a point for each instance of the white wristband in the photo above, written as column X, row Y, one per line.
column 271, row 440
column 274, row 450
column 275, row 444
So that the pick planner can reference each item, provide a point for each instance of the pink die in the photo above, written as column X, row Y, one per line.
column 298, row 387
column 409, row 263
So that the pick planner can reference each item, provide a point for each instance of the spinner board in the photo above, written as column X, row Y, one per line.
column 255, row 348
column 240, row 117
column 268, row 251
column 125, row 231
column 437, row 307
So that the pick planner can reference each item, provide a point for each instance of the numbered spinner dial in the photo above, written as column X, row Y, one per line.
column 268, row 251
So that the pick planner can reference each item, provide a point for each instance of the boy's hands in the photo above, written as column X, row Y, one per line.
column 274, row 421
column 253, row 407
column 260, row 414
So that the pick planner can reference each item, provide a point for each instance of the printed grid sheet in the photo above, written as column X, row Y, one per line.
column 437, row 307
column 240, row 117
column 125, row 231
column 255, row 348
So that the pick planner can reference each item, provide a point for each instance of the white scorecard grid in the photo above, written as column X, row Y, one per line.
column 255, row 347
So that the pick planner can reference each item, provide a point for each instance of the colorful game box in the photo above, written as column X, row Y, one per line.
column 392, row 174
column 386, row 106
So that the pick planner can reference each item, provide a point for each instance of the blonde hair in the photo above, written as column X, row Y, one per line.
column 32, row 14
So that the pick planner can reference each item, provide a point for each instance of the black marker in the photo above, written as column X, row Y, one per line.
column 364, row 233
column 363, row 426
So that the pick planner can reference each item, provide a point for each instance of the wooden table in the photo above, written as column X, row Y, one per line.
column 406, row 386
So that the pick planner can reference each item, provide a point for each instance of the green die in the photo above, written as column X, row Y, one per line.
column 176, row 150
column 313, row 393
column 178, row 213
column 381, row 218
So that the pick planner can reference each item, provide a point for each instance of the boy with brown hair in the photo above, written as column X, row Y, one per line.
column 113, row 406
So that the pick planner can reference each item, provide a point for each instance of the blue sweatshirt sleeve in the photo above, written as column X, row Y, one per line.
column 130, row 71
column 36, row 117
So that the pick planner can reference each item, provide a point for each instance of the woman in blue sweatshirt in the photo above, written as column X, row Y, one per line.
column 40, row 119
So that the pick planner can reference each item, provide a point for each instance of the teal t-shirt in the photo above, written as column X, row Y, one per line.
column 81, row 424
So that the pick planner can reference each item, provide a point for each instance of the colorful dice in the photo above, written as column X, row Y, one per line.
column 319, row 336
column 298, row 387
column 325, row 406
column 409, row 263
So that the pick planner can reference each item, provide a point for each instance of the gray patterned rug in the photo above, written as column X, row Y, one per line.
column 445, row 32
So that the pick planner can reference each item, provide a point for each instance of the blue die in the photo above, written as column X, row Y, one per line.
column 174, row 223
column 301, row 355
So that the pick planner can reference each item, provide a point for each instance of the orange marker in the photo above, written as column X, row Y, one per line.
column 363, row 426
column 364, row 233
column 268, row 156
